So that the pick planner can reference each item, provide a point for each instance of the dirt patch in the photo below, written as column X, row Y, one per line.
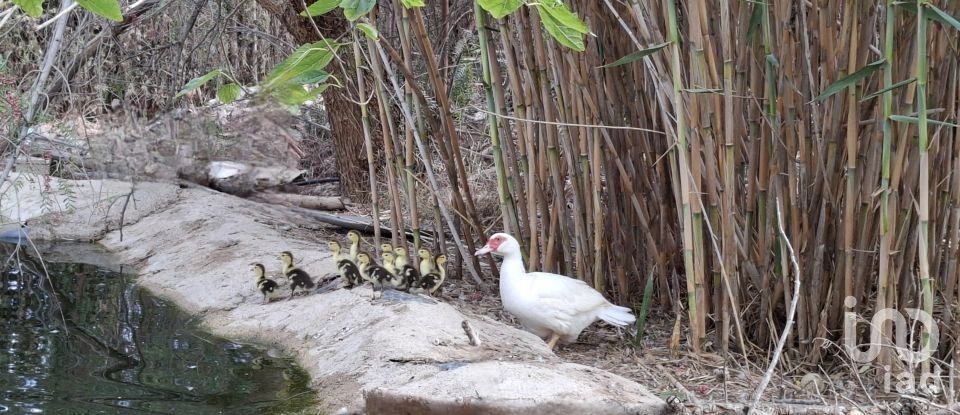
column 195, row 247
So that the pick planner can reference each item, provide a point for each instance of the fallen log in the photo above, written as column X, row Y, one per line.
column 303, row 201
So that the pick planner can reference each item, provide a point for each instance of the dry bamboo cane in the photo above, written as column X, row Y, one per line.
column 368, row 141
column 697, row 319
column 923, row 231
column 487, row 61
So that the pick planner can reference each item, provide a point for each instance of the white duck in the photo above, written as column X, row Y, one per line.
column 549, row 305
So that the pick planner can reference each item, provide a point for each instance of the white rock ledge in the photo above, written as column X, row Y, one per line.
column 402, row 354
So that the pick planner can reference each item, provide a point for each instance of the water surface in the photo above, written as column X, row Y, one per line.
column 87, row 341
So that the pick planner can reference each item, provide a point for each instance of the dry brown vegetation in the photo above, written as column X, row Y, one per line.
column 666, row 175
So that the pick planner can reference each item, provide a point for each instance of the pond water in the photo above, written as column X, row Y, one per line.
column 87, row 341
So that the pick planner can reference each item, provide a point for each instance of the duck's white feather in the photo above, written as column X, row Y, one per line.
column 547, row 303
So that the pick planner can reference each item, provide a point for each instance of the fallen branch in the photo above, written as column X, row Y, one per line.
column 790, row 314
column 303, row 201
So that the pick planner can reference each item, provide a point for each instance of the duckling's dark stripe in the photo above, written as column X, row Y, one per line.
column 299, row 279
column 266, row 285
column 350, row 271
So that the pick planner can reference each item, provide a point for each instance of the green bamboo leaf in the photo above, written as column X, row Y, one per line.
column 297, row 94
column 772, row 60
column 499, row 8
column 33, row 8
column 889, row 88
column 198, row 82
column 355, row 9
column 851, row 79
column 312, row 76
column 562, row 14
column 704, row 90
column 934, row 13
column 368, row 30
column 409, row 4
column 914, row 120
column 644, row 309
column 306, row 59
column 109, row 9
column 228, row 93
column 567, row 36
column 755, row 21
column 635, row 56
column 320, row 7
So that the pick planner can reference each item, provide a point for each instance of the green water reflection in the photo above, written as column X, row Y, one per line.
column 89, row 342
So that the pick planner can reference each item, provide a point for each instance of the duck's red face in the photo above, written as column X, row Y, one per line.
column 493, row 245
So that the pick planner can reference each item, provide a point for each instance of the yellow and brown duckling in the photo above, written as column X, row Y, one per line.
column 386, row 247
column 408, row 275
column 264, row 284
column 374, row 273
column 354, row 238
column 348, row 269
column 426, row 261
column 431, row 282
column 298, row 277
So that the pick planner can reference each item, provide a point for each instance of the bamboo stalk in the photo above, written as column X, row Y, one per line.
column 923, row 230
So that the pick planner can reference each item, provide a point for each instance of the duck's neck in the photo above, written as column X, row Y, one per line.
column 512, row 266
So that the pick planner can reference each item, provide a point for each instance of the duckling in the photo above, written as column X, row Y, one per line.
column 348, row 269
column 432, row 281
column 372, row 272
column 426, row 261
column 409, row 276
column 298, row 277
column 264, row 284
column 389, row 259
column 354, row 238
column 386, row 247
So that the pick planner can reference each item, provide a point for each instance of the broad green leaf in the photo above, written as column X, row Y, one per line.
column 933, row 13
column 564, row 16
column 313, row 76
column 851, row 79
column 565, row 35
column 914, row 120
column 320, row 7
column 889, row 88
column 635, row 56
column 409, row 4
column 198, row 82
column 368, row 30
column 309, row 57
column 500, row 8
column 33, row 8
column 228, row 93
column 297, row 94
column 109, row 9
column 355, row 9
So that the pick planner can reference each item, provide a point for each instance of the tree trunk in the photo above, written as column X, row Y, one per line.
column 342, row 113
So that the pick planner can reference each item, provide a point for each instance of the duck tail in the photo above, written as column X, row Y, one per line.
column 617, row 315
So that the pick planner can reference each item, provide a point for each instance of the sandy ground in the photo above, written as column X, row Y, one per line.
column 399, row 354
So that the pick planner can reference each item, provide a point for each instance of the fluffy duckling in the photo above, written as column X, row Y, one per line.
column 264, row 284
column 298, row 277
column 374, row 273
column 426, row 261
column 409, row 276
column 354, row 238
column 386, row 247
column 432, row 281
column 348, row 269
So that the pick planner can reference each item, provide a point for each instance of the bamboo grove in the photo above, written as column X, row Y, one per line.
column 667, row 172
